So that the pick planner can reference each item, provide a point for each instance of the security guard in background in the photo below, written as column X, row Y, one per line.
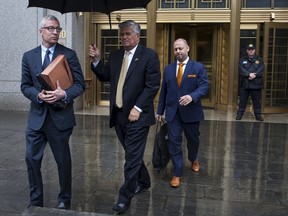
column 251, row 76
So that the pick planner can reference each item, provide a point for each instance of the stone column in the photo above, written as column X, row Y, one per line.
column 151, row 24
column 234, row 52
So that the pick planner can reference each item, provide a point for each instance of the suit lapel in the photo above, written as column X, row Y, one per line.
column 134, row 61
column 38, row 60
column 57, row 51
column 118, row 63
column 37, row 55
column 188, row 70
column 173, row 73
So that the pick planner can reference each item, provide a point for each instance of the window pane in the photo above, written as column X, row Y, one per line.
column 281, row 3
column 246, row 37
column 174, row 4
column 248, row 33
column 213, row 4
column 258, row 3
column 277, row 68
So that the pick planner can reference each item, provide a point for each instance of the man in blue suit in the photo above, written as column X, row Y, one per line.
column 134, row 75
column 184, row 83
column 46, row 122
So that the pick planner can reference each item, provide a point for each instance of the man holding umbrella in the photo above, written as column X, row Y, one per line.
column 134, row 75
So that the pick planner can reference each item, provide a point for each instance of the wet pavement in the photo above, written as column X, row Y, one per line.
column 244, row 171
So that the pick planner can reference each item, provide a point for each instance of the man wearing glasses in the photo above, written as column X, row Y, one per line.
column 46, row 123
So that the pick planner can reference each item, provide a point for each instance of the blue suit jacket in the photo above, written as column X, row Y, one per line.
column 194, row 82
column 30, row 87
column 141, row 84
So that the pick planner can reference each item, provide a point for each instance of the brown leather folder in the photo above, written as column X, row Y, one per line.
column 59, row 70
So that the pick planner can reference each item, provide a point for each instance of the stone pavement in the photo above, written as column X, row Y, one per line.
column 244, row 171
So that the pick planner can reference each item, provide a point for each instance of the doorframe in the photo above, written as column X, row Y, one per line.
column 191, row 36
column 267, row 27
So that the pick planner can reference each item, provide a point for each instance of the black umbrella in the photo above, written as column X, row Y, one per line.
column 103, row 6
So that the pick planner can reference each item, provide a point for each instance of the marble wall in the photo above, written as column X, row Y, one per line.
column 20, row 33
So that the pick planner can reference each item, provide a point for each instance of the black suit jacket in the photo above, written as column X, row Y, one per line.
column 30, row 87
column 141, row 84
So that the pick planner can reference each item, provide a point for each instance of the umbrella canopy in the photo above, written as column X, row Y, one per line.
column 103, row 6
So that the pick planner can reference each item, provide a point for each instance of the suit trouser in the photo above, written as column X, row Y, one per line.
column 175, row 131
column 35, row 145
column 133, row 138
column 256, row 100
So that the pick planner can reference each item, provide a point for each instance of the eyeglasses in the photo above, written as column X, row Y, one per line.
column 52, row 29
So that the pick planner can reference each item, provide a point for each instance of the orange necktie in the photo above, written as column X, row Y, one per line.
column 180, row 73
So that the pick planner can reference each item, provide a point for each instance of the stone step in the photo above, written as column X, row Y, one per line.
column 43, row 211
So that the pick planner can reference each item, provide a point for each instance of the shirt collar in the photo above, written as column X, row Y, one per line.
column 52, row 49
column 132, row 51
column 184, row 62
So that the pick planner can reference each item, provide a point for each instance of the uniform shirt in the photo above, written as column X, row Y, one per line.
column 251, row 65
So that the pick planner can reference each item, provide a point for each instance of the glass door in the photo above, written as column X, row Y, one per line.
column 275, row 92
column 202, row 42
column 109, row 41
column 205, row 53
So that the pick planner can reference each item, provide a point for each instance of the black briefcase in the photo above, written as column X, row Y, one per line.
column 161, row 155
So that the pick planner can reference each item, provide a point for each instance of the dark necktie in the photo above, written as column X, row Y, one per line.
column 46, row 59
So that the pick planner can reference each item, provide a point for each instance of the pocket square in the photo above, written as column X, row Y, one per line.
column 191, row 75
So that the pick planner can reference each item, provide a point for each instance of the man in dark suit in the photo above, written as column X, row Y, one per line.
column 131, row 103
column 184, row 83
column 46, row 121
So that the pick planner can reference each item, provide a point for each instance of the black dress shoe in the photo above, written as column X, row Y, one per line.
column 63, row 205
column 139, row 188
column 34, row 205
column 121, row 208
column 259, row 118
column 238, row 117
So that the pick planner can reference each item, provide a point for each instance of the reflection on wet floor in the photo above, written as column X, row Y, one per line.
column 244, row 170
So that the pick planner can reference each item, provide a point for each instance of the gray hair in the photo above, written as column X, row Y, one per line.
column 47, row 17
column 130, row 23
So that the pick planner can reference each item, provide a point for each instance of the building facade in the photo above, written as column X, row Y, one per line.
column 217, row 32
column 20, row 34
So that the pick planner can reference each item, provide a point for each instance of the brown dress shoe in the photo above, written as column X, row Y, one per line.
column 175, row 182
column 195, row 166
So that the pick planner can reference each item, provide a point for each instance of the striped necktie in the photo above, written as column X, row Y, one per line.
column 46, row 61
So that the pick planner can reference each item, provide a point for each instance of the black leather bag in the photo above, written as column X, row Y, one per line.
column 161, row 155
column 58, row 105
